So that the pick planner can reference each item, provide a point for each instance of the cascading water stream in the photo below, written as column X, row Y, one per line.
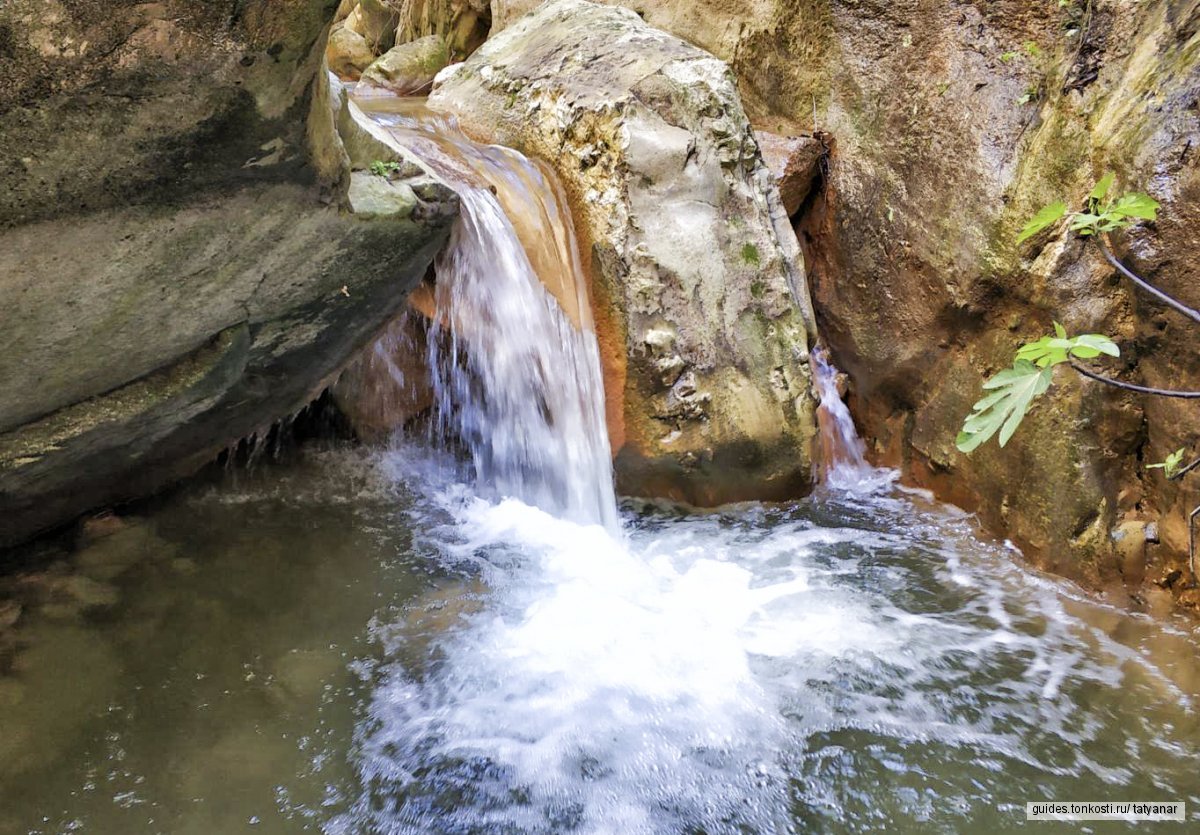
column 667, row 675
column 515, row 367
column 842, row 461
column 381, row 642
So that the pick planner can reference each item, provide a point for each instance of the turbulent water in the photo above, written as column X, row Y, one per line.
column 362, row 644
column 390, row 642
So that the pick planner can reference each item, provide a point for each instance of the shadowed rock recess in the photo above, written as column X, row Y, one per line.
column 186, row 254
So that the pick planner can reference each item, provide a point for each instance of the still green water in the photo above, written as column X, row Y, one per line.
column 356, row 643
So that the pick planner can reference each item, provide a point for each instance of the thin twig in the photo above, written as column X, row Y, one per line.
column 1100, row 378
column 1191, row 313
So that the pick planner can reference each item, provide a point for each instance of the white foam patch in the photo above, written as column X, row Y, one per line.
column 660, row 677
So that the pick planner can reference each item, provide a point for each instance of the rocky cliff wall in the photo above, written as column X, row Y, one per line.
column 187, row 253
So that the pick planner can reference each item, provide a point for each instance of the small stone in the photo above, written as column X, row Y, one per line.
column 372, row 196
column 348, row 53
column 122, row 549
column 91, row 594
column 10, row 613
column 99, row 526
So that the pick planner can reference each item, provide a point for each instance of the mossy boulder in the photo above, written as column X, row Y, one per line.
column 409, row 67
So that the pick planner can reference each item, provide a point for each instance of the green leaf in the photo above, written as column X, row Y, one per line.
column 1171, row 465
column 1046, row 216
column 1097, row 342
column 1047, row 351
column 1012, row 391
column 1100, row 191
column 1084, row 220
column 1053, row 350
column 1135, row 204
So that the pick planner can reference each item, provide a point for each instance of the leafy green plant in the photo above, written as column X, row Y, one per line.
column 1010, row 393
column 1171, row 465
column 1102, row 215
column 384, row 169
column 1014, row 389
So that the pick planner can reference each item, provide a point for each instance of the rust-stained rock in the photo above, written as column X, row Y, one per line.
column 948, row 132
column 697, row 281
column 795, row 162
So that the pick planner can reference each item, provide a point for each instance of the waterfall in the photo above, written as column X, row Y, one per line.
column 515, row 364
column 842, row 463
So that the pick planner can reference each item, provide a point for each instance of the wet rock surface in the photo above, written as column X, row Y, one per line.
column 693, row 263
column 950, row 125
column 178, row 243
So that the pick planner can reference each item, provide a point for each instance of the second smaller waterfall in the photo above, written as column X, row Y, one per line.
column 842, row 462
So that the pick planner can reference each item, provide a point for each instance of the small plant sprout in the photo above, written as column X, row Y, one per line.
column 1171, row 464
column 384, row 169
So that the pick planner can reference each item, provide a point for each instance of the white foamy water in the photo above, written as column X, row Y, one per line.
column 855, row 660
column 719, row 672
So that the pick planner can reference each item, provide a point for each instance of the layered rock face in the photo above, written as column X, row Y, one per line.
column 187, row 251
column 952, row 123
column 698, row 286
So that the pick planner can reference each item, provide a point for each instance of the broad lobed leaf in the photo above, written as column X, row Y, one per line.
column 1001, row 411
column 1046, row 216
column 1100, row 190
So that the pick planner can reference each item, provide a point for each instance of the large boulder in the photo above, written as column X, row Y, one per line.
column 952, row 123
column 697, row 283
column 179, row 254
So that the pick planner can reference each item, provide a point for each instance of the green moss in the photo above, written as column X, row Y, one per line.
column 757, row 289
column 750, row 255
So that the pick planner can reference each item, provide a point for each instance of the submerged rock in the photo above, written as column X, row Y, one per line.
column 698, row 290
column 113, row 555
column 178, row 247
